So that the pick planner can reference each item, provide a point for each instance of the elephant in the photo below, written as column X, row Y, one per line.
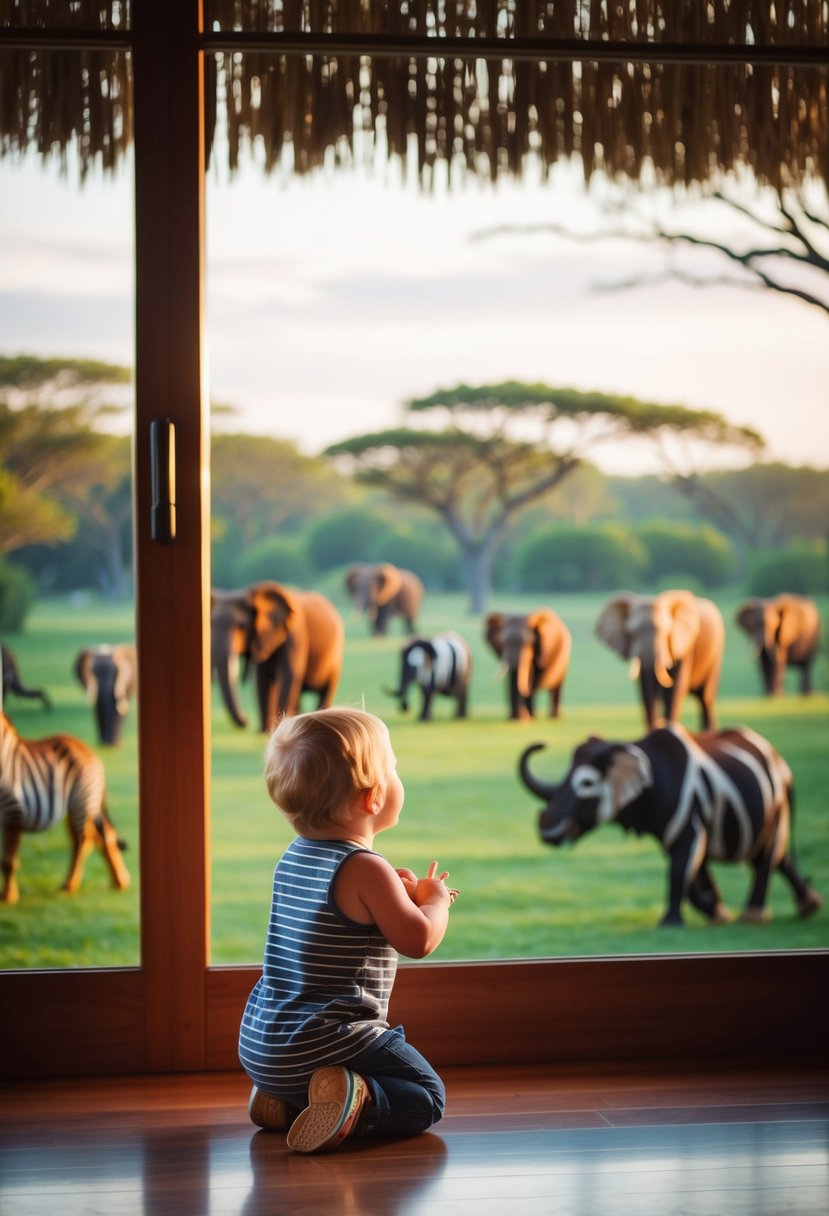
column 10, row 680
column 675, row 642
column 786, row 632
column 382, row 591
column 441, row 664
column 535, row 649
column 295, row 639
column 723, row 795
column 110, row 676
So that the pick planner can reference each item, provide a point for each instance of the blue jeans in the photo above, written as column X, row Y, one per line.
column 407, row 1094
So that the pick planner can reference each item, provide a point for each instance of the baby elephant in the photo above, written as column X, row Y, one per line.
column 724, row 795
column 41, row 782
column 442, row 664
column 110, row 676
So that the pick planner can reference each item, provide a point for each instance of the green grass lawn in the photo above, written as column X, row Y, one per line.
column 464, row 806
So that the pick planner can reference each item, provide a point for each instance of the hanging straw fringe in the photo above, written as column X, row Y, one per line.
column 481, row 118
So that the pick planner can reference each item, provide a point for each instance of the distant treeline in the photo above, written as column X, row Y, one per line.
column 280, row 514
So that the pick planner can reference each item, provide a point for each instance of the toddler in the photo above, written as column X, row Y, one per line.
column 314, row 1038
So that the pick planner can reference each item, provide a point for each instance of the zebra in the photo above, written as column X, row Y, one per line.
column 41, row 781
column 720, row 795
column 10, row 680
column 441, row 664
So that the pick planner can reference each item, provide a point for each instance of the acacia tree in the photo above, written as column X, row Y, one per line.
column 497, row 448
column 63, row 476
column 261, row 485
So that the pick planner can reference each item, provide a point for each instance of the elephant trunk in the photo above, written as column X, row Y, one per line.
column 662, row 663
column 227, row 666
column 662, row 674
column 523, row 674
column 541, row 789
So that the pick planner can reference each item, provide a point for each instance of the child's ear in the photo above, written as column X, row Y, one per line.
column 372, row 800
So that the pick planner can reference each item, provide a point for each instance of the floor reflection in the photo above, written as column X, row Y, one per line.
column 362, row 1178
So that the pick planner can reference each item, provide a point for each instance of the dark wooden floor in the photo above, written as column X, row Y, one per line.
column 520, row 1141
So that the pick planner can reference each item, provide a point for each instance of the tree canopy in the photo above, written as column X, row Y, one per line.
column 54, row 452
column 497, row 448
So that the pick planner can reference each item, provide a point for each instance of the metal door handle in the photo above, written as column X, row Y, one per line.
column 163, row 477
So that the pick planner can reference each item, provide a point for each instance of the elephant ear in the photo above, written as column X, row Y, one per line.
column 86, row 676
column 126, row 676
column 545, row 627
column 628, row 774
column 684, row 627
column 493, row 632
column 612, row 625
column 747, row 613
column 386, row 580
column 352, row 578
column 273, row 609
column 83, row 667
column 788, row 630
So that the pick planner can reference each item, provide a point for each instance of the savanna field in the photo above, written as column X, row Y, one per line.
column 465, row 805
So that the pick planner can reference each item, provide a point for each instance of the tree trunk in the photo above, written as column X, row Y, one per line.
column 478, row 561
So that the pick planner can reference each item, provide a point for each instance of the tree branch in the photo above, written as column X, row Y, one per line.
column 755, row 260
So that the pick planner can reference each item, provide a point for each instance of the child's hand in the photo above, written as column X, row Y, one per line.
column 409, row 880
column 433, row 887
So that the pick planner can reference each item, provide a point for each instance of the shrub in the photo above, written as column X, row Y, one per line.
column 593, row 557
column 686, row 553
column 281, row 558
column 17, row 596
column 802, row 569
column 348, row 536
column 430, row 553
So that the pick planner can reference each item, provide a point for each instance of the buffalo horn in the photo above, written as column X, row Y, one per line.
column 539, row 788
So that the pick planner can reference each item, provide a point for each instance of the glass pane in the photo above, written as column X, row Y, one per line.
column 67, row 626
column 351, row 300
column 66, row 14
column 637, row 20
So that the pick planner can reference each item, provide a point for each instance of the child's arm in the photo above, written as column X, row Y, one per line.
column 370, row 891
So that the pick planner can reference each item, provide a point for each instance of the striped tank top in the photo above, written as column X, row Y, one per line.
column 326, row 980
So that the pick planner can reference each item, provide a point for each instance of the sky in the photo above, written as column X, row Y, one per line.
column 334, row 299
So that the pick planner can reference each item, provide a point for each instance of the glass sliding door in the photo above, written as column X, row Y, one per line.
column 67, row 621
column 361, row 302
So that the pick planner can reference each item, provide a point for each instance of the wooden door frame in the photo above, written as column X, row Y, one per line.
column 175, row 1013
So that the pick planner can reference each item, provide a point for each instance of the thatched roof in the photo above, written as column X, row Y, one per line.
column 496, row 112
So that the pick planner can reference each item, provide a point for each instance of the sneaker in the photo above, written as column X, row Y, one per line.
column 336, row 1096
column 271, row 1113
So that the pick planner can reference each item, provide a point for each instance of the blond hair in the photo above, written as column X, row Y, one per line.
column 316, row 762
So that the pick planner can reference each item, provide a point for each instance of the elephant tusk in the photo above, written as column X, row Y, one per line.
column 635, row 667
column 503, row 669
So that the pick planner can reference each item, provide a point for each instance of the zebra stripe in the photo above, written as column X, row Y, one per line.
column 707, row 786
column 41, row 780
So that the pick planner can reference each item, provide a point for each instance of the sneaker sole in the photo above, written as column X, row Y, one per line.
column 335, row 1098
column 267, row 1112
